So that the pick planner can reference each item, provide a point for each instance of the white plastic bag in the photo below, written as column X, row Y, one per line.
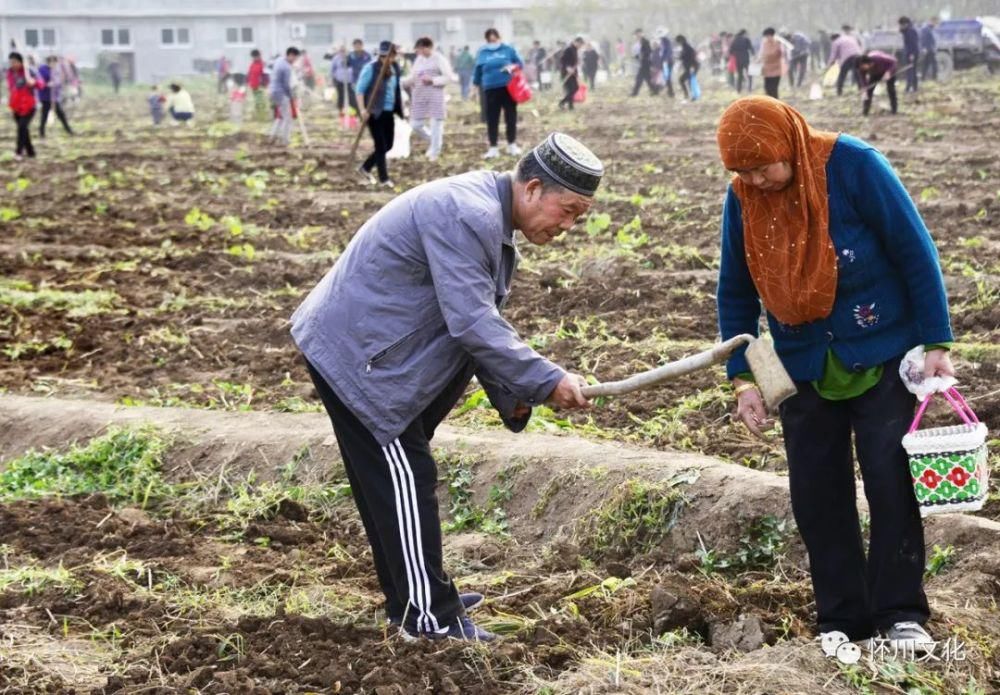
column 815, row 91
column 401, row 140
column 911, row 371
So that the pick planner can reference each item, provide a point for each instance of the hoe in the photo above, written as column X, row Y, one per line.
column 774, row 382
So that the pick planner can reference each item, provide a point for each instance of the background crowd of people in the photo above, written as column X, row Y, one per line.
column 273, row 88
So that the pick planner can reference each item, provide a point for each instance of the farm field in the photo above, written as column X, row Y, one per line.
column 147, row 276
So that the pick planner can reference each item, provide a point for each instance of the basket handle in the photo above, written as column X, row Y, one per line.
column 953, row 392
column 957, row 403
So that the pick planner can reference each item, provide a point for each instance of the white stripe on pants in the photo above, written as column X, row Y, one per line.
column 435, row 135
column 408, row 517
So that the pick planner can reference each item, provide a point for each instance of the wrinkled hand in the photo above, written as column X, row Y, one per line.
column 567, row 393
column 751, row 412
column 938, row 363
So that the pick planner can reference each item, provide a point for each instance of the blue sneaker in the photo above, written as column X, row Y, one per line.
column 470, row 601
column 464, row 629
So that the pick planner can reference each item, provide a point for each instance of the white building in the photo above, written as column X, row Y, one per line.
column 154, row 39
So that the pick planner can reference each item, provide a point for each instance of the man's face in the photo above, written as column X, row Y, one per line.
column 358, row 47
column 546, row 215
column 292, row 58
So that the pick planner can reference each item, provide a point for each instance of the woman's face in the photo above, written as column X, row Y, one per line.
column 769, row 177
column 493, row 38
column 425, row 51
column 16, row 64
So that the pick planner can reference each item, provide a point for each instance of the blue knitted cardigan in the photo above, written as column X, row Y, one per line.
column 890, row 291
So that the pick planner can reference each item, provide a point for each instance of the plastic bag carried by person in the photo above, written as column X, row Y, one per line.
column 695, row 88
column 815, row 91
column 580, row 95
column 518, row 87
column 831, row 75
column 911, row 371
column 401, row 140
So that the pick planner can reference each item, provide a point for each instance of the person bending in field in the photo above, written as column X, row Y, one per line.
column 179, row 105
column 818, row 227
column 874, row 67
column 395, row 331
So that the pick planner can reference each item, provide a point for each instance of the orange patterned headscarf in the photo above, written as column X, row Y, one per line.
column 786, row 232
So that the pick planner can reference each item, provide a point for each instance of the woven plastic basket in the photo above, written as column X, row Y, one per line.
column 948, row 464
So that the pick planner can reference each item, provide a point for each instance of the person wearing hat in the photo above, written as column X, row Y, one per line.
column 395, row 331
column 379, row 100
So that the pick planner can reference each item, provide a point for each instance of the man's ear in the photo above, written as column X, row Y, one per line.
column 533, row 190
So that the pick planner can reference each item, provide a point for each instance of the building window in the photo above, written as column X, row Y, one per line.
column 239, row 35
column 376, row 33
column 40, row 38
column 431, row 29
column 116, row 37
column 172, row 37
column 319, row 34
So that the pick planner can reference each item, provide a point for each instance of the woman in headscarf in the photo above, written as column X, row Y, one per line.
column 818, row 227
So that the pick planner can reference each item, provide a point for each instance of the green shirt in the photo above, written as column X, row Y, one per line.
column 839, row 383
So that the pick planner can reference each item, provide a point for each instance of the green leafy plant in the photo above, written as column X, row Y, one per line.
column 631, row 237
column 636, row 518
column 760, row 549
column 939, row 559
column 123, row 464
column 199, row 220
column 597, row 223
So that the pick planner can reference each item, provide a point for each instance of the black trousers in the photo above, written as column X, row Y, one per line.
column 685, row 82
column 346, row 95
column 928, row 65
column 644, row 75
column 24, row 146
column 890, row 88
column 497, row 100
column 590, row 76
column 797, row 70
column 742, row 72
column 848, row 67
column 383, row 131
column 394, row 488
column 911, row 62
column 569, row 91
column 855, row 594
column 60, row 114
column 771, row 86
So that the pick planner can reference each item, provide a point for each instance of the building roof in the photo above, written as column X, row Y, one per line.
column 248, row 8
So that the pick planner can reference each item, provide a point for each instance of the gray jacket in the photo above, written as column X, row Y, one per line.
column 281, row 80
column 416, row 295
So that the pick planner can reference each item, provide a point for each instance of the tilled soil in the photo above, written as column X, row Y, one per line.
column 154, row 219
column 158, row 225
